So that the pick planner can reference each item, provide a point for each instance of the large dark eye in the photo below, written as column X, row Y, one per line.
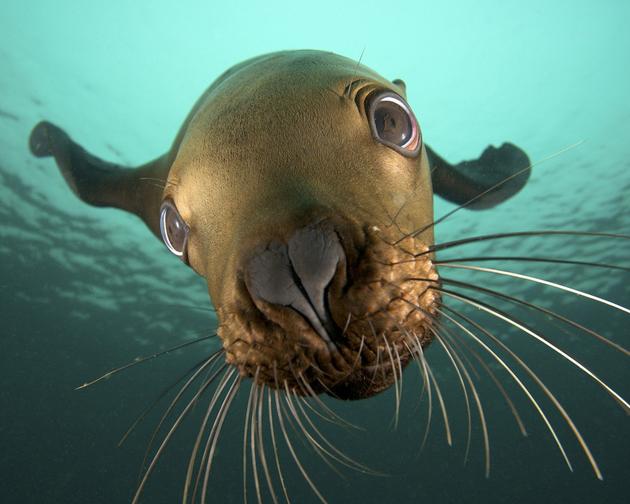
column 394, row 124
column 173, row 228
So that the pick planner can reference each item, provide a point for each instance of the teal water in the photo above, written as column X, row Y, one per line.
column 85, row 290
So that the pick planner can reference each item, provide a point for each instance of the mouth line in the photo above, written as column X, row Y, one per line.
column 404, row 358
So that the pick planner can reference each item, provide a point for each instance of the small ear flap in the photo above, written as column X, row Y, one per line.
column 100, row 183
column 498, row 174
column 403, row 87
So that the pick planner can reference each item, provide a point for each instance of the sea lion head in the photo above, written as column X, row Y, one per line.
column 299, row 187
column 295, row 191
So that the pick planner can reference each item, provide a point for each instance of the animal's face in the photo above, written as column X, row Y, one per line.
column 299, row 188
column 292, row 192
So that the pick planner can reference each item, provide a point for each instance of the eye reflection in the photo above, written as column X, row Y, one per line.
column 393, row 123
column 173, row 228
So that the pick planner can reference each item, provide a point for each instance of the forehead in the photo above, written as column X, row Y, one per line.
column 278, row 101
column 281, row 88
column 291, row 73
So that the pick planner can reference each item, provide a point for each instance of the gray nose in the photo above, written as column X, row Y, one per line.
column 296, row 274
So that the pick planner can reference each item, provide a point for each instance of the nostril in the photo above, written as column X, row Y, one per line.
column 315, row 253
column 298, row 273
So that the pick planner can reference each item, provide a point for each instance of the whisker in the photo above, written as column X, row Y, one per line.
column 499, row 236
column 486, row 191
column 539, row 281
column 472, row 369
column 292, row 451
column 299, row 428
column 521, row 326
column 541, row 309
column 245, row 432
column 275, row 447
column 348, row 90
column 172, row 430
column 306, row 393
column 396, row 385
column 140, row 360
column 551, row 260
column 149, row 182
column 253, row 430
column 377, row 364
column 540, row 383
column 447, row 351
column 495, row 380
column 415, row 356
column 438, row 392
column 156, row 401
column 261, row 446
column 400, row 370
column 425, row 369
column 351, row 463
column 341, row 421
column 347, row 324
column 472, row 387
column 193, row 455
column 515, row 377
column 215, row 433
column 157, row 181
column 208, row 364
column 482, row 417
column 199, row 307
column 358, row 357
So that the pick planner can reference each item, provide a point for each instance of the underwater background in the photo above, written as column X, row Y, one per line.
column 84, row 290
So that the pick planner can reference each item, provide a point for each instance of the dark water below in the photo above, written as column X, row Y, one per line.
column 84, row 290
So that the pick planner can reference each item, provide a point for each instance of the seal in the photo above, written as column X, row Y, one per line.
column 296, row 186
column 300, row 187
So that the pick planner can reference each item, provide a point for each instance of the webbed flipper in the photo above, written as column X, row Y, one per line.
column 498, row 174
column 100, row 183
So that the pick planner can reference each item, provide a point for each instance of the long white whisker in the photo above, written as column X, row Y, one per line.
column 438, row 392
column 215, row 433
column 539, row 281
column 482, row 417
column 202, row 428
column 513, row 322
column 261, row 446
column 253, row 436
column 453, row 339
column 547, row 392
column 509, row 370
column 275, row 447
column 317, row 447
column 396, row 385
column 173, row 428
column 245, row 433
column 465, row 391
column 425, row 368
column 349, row 461
column 209, row 364
column 292, row 451
column 538, row 308
column 486, row 191
column 336, row 418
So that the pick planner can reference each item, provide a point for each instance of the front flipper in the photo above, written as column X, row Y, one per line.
column 100, row 183
column 495, row 176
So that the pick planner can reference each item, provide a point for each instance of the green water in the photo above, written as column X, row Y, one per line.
column 85, row 290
